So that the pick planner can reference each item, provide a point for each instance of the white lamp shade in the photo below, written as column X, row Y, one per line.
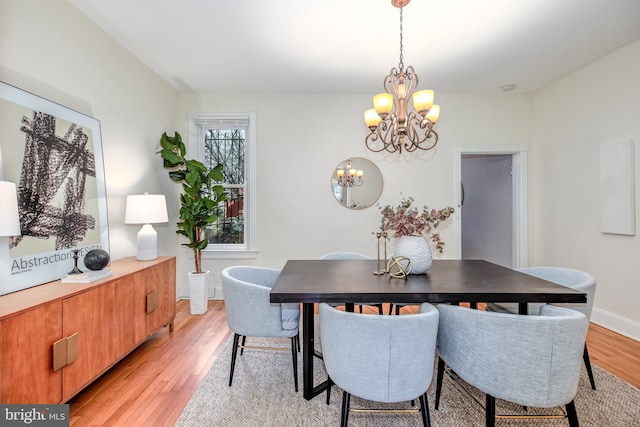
column 9, row 219
column 146, row 209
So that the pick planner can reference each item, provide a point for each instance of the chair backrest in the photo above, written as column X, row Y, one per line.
column 344, row 255
column 249, row 311
column 528, row 360
column 379, row 358
column 571, row 278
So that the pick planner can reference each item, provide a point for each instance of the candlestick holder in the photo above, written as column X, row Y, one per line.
column 383, row 270
column 75, row 270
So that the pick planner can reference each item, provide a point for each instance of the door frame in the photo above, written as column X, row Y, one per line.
column 519, row 155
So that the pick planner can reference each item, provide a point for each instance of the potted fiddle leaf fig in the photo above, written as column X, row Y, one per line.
column 201, row 194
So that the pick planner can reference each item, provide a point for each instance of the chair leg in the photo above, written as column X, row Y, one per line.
column 298, row 342
column 234, row 353
column 439, row 381
column 587, row 364
column 346, row 397
column 424, row 406
column 329, row 384
column 397, row 310
column 244, row 340
column 572, row 416
column 491, row 411
column 294, row 356
column 380, row 309
column 390, row 309
column 360, row 307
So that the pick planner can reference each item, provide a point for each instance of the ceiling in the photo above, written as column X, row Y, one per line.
column 348, row 46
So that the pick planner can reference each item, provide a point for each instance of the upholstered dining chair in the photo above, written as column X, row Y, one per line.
column 352, row 255
column 250, row 313
column 379, row 358
column 528, row 360
column 569, row 277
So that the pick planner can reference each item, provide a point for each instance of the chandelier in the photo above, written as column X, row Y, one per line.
column 392, row 126
column 349, row 177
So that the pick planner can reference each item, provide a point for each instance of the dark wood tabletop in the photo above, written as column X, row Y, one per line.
column 447, row 281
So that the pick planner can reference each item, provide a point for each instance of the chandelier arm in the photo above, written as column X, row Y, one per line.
column 412, row 76
column 370, row 141
column 419, row 130
column 389, row 81
column 432, row 135
column 388, row 135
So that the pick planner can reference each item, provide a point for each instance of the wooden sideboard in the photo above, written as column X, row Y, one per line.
column 57, row 338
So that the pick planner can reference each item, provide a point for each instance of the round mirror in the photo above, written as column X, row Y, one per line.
column 356, row 183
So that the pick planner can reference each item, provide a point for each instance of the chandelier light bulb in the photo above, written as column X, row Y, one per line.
column 434, row 114
column 402, row 90
column 371, row 118
column 422, row 101
column 383, row 104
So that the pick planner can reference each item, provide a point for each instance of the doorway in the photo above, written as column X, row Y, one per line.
column 491, row 192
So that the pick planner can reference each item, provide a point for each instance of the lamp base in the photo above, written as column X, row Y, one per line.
column 147, row 243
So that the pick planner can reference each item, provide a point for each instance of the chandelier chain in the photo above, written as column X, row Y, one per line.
column 401, row 64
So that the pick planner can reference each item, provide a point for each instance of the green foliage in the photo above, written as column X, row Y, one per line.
column 200, row 197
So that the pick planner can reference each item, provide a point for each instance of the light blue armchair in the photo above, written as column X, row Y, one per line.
column 569, row 277
column 352, row 255
column 380, row 358
column 529, row 360
column 250, row 313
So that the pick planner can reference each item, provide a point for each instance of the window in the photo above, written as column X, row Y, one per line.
column 230, row 140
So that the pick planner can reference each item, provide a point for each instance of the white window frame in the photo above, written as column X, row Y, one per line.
column 197, row 123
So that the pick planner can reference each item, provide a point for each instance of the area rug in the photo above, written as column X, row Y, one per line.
column 263, row 395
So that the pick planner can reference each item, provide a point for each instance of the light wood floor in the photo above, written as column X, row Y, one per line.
column 151, row 386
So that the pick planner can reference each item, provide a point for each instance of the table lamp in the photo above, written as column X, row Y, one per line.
column 146, row 209
column 9, row 219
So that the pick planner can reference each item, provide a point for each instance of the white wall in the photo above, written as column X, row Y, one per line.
column 597, row 104
column 301, row 138
column 49, row 48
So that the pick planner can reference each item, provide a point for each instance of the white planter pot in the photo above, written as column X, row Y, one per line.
column 417, row 249
column 198, row 291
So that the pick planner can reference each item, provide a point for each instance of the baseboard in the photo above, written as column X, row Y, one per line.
column 619, row 324
column 214, row 292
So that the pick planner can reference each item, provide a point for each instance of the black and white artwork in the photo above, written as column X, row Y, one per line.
column 54, row 155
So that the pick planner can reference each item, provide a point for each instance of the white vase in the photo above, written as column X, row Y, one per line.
column 198, row 291
column 417, row 249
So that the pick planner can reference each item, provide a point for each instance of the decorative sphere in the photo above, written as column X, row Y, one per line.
column 96, row 259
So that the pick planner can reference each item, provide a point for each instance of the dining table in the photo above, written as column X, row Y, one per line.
column 349, row 282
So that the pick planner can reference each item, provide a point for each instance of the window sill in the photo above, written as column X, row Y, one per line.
column 229, row 254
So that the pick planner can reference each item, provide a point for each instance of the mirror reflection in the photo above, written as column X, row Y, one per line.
column 356, row 183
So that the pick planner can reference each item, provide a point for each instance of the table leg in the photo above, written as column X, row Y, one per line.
column 523, row 308
column 307, row 350
column 308, row 390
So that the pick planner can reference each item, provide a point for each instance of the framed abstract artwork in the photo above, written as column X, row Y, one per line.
column 54, row 155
